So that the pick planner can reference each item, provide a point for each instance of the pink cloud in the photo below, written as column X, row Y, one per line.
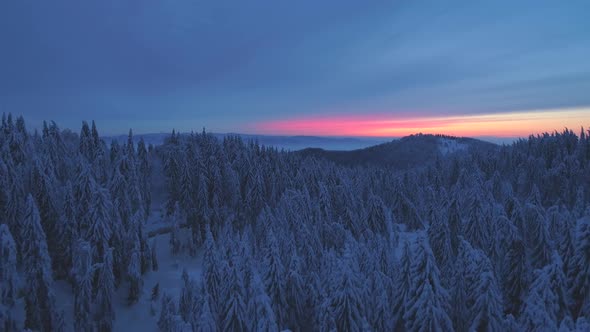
column 498, row 124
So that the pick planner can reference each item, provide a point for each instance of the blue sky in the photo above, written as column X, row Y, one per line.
column 229, row 65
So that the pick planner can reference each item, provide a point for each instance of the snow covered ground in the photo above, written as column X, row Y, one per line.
column 447, row 146
column 136, row 317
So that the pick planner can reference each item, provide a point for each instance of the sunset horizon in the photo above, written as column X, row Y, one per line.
column 501, row 125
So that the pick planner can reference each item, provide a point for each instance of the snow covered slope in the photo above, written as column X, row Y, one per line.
column 138, row 317
column 448, row 145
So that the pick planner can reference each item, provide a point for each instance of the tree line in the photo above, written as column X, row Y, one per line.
column 476, row 240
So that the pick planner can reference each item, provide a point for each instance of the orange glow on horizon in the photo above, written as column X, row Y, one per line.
column 514, row 124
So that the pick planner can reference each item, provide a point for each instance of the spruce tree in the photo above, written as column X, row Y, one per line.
column 579, row 272
column 166, row 322
column 67, row 232
column 187, row 304
column 515, row 276
column 40, row 308
column 260, row 310
column 274, row 279
column 83, row 272
column 377, row 215
column 478, row 229
column 105, row 314
column 144, row 171
column 536, row 237
column 428, row 304
column 234, row 307
column 134, row 274
column 402, row 285
column 487, row 308
column 295, row 294
column 8, row 279
column 546, row 303
column 177, row 219
column 206, row 320
column 101, row 227
column 347, row 302
column 439, row 236
column 212, row 273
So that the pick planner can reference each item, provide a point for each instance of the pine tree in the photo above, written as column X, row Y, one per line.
column 402, row 286
column 347, row 304
column 144, row 171
column 478, row 229
column 83, row 272
column 212, row 273
column 580, row 205
column 39, row 299
column 406, row 213
column 166, row 322
column 377, row 215
column 546, row 303
column 459, row 292
column 234, row 312
column 100, row 231
column 146, row 252
column 506, row 232
column 115, row 151
column 105, row 314
column 67, row 232
column 427, row 306
column 98, row 156
column 439, row 236
column 274, row 278
column 475, row 297
column 260, row 310
column 8, row 279
column 42, row 188
column 537, row 238
column 295, row 294
column 203, row 208
column 172, row 172
column 535, row 316
column 487, row 308
column 84, row 189
column 154, row 254
column 206, row 320
column 134, row 274
column 379, row 312
column 515, row 272
column 579, row 272
column 187, row 193
column 177, row 218
column 187, row 304
column 118, row 188
column 86, row 147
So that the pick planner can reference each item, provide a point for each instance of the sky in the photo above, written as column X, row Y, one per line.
column 336, row 68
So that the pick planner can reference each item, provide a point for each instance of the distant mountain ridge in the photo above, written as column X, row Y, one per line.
column 403, row 153
column 292, row 143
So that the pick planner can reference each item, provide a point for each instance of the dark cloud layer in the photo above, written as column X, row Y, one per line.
column 221, row 64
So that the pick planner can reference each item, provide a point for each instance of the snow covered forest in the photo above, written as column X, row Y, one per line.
column 495, row 240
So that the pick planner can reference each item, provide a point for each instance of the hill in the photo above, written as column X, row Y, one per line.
column 403, row 153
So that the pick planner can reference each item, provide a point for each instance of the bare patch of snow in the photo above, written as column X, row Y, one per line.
column 137, row 317
column 448, row 146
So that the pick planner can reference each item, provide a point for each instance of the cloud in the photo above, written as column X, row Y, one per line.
column 222, row 64
column 512, row 124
